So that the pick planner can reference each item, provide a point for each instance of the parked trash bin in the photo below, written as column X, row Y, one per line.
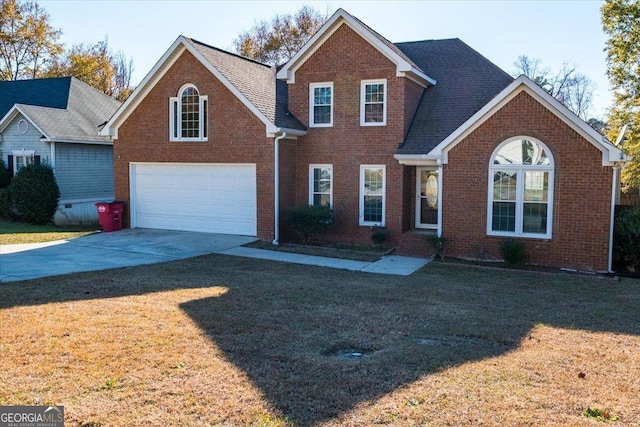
column 110, row 215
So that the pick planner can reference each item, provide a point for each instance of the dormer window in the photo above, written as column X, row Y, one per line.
column 373, row 102
column 188, row 115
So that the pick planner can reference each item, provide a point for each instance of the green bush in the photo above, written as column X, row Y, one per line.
column 438, row 244
column 379, row 234
column 5, row 204
column 5, row 176
column 310, row 220
column 512, row 251
column 34, row 194
column 626, row 238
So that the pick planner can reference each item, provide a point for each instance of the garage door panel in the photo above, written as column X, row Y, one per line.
column 195, row 197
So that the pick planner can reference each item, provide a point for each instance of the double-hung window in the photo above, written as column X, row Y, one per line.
column 21, row 158
column 373, row 102
column 372, row 194
column 321, row 104
column 188, row 115
column 521, row 189
column 321, row 185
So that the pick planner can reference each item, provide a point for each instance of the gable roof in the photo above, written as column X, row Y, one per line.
column 253, row 83
column 610, row 153
column 63, row 109
column 405, row 67
column 466, row 82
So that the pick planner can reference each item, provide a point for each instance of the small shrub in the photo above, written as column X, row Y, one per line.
column 626, row 238
column 599, row 415
column 438, row 244
column 310, row 220
column 379, row 234
column 5, row 177
column 512, row 251
column 34, row 193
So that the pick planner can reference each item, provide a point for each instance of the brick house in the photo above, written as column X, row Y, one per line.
column 423, row 138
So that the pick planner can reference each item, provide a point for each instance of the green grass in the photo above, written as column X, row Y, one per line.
column 14, row 232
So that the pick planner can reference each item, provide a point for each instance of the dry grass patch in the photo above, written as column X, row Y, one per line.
column 223, row 341
column 14, row 232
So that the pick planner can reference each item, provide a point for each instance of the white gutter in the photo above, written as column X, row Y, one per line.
column 616, row 171
column 276, row 188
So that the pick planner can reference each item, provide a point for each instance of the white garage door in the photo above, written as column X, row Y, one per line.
column 213, row 198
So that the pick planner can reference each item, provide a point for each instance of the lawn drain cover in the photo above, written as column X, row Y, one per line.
column 351, row 355
column 427, row 341
column 347, row 352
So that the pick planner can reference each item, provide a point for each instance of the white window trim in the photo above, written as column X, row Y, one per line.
column 418, row 197
column 520, row 170
column 174, row 103
column 313, row 86
column 363, row 84
column 361, row 195
column 22, row 153
column 311, row 192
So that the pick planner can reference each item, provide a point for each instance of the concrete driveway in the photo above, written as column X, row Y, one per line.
column 102, row 251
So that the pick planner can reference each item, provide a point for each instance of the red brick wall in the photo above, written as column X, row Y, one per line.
column 235, row 136
column 346, row 59
column 582, row 190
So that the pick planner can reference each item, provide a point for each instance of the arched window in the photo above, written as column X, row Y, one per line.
column 188, row 115
column 520, row 189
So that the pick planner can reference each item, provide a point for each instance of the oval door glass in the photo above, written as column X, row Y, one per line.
column 428, row 198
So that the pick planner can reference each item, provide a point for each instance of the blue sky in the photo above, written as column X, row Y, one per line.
column 553, row 31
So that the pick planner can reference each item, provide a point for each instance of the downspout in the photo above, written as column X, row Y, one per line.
column 616, row 171
column 276, row 188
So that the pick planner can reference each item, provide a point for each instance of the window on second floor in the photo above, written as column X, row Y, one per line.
column 321, row 104
column 188, row 115
column 373, row 102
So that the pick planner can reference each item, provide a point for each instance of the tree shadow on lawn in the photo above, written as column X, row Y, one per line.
column 294, row 329
column 299, row 339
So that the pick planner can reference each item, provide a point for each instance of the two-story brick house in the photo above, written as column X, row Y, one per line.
column 421, row 137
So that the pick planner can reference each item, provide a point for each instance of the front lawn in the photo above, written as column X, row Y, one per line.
column 14, row 232
column 229, row 341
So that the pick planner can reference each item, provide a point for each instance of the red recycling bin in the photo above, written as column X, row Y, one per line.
column 110, row 215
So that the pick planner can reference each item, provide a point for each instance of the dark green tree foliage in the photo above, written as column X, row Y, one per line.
column 621, row 24
column 34, row 194
column 5, row 177
column 626, row 238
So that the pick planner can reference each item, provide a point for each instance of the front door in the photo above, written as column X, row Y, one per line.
column 427, row 198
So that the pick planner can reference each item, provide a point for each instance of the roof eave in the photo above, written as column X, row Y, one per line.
column 287, row 72
column 12, row 113
column 523, row 83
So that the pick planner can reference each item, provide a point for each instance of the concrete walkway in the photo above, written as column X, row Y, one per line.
column 132, row 247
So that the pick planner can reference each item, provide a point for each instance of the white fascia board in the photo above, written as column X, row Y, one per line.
column 149, row 81
column 291, row 133
column 523, row 83
column 79, row 141
column 402, row 66
column 417, row 159
column 12, row 114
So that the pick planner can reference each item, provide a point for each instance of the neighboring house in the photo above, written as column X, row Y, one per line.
column 57, row 121
column 423, row 138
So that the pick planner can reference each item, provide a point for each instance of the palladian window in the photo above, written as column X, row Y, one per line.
column 521, row 189
column 188, row 115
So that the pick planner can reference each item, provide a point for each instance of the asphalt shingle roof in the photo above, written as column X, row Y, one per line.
column 63, row 108
column 466, row 82
column 256, row 81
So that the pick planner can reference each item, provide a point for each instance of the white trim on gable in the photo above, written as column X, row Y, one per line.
column 339, row 18
column 610, row 153
column 12, row 114
column 178, row 47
